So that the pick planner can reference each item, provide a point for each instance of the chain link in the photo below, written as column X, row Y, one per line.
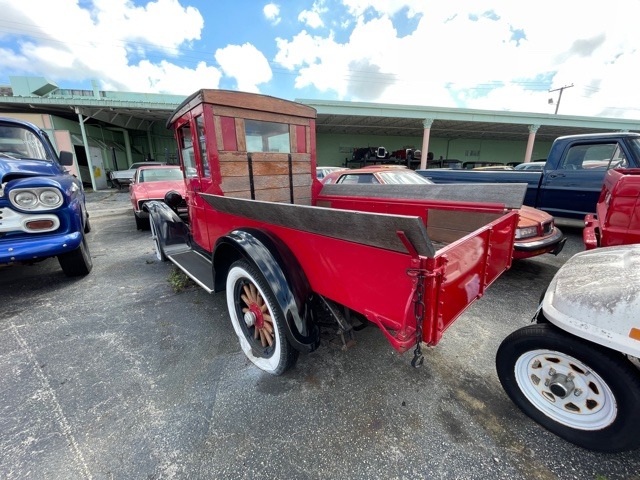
column 418, row 312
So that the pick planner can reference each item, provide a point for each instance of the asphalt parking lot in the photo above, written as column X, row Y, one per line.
column 116, row 375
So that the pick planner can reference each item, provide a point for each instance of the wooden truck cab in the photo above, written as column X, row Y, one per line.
column 242, row 145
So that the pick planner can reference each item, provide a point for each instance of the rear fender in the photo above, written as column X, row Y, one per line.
column 172, row 231
column 283, row 274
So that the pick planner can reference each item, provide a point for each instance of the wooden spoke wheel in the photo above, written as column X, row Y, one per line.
column 257, row 319
column 256, row 314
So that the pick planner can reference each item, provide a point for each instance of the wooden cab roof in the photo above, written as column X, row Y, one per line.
column 242, row 100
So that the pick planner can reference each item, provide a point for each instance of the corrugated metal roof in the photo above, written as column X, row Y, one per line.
column 407, row 120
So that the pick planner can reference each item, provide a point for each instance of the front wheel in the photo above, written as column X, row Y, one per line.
column 580, row 391
column 258, row 319
column 78, row 262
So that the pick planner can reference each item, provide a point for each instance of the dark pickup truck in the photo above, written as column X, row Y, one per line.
column 570, row 184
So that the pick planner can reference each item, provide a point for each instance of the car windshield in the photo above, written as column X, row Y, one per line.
column 135, row 166
column 17, row 142
column 159, row 174
column 403, row 177
column 352, row 178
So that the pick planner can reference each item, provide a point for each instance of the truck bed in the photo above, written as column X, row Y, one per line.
column 352, row 250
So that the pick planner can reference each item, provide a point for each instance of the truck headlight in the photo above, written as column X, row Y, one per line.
column 36, row 199
column 526, row 232
column 50, row 198
column 26, row 200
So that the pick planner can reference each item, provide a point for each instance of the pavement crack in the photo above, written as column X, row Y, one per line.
column 50, row 395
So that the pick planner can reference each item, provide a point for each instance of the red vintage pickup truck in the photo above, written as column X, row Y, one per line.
column 285, row 249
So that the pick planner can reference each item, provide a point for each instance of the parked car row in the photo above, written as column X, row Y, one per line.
column 124, row 178
column 575, row 371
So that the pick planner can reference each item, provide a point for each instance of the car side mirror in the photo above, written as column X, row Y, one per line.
column 66, row 158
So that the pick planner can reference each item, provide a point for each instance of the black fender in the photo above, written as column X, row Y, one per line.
column 172, row 231
column 283, row 274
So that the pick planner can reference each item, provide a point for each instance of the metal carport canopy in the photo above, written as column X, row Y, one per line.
column 359, row 118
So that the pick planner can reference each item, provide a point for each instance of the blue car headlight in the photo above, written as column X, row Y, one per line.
column 36, row 199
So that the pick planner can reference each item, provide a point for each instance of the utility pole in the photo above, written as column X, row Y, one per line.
column 559, row 96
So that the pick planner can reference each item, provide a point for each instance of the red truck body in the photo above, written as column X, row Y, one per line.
column 617, row 218
column 409, row 260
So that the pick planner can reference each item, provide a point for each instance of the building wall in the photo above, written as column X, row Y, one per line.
column 163, row 146
column 157, row 144
column 334, row 149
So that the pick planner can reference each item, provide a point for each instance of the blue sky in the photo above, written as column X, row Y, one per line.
column 490, row 55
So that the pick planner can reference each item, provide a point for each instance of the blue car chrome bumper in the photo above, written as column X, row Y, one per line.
column 38, row 247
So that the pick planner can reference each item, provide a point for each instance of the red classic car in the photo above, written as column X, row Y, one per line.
column 152, row 183
column 616, row 221
column 536, row 233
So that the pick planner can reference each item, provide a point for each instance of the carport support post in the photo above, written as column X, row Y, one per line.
column 426, row 124
column 150, row 140
column 81, row 120
column 127, row 146
column 532, row 138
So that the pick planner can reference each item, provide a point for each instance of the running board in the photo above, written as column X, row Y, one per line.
column 196, row 266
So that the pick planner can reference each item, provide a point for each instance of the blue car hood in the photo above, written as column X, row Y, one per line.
column 26, row 168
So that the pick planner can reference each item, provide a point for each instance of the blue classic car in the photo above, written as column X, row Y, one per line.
column 42, row 207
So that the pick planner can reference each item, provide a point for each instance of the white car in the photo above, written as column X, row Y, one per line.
column 576, row 371
column 119, row 178
column 537, row 166
column 321, row 172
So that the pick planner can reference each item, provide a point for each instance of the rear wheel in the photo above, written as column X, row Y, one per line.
column 580, row 391
column 78, row 262
column 157, row 244
column 258, row 319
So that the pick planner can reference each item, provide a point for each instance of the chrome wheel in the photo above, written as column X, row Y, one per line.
column 583, row 392
column 565, row 389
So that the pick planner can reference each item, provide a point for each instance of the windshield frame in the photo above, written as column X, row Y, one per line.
column 26, row 145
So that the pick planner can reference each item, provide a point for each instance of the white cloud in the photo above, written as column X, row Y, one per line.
column 313, row 18
column 246, row 64
column 113, row 42
column 479, row 54
column 496, row 54
column 357, row 8
column 272, row 13
column 162, row 23
column 167, row 77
